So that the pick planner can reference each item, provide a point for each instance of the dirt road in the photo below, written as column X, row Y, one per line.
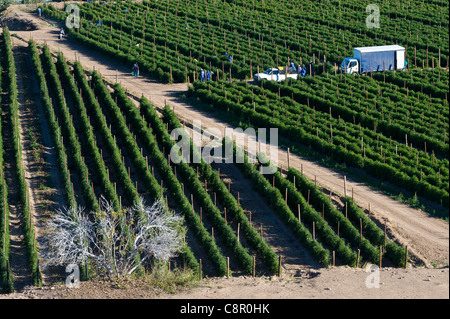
column 427, row 238
column 337, row 283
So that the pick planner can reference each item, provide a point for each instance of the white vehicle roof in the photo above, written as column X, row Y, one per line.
column 380, row 48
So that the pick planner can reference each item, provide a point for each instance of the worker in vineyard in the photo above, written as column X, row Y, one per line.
column 406, row 65
column 230, row 59
column 293, row 67
column 303, row 71
column 40, row 11
column 135, row 70
column 312, row 68
column 208, row 76
column 202, row 75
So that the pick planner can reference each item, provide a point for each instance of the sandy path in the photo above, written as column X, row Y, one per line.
column 426, row 237
column 328, row 284
column 336, row 283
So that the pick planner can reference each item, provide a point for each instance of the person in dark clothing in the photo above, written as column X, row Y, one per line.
column 136, row 70
column 311, row 64
column 202, row 75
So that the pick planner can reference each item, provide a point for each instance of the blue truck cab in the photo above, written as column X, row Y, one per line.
column 375, row 59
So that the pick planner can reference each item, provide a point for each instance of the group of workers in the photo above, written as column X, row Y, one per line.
column 302, row 69
column 61, row 31
column 228, row 57
column 205, row 75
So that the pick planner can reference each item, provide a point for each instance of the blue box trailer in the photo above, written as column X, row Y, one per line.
column 375, row 59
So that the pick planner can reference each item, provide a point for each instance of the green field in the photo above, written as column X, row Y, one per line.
column 390, row 126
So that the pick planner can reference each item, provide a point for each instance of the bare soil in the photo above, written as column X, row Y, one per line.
column 334, row 283
column 427, row 237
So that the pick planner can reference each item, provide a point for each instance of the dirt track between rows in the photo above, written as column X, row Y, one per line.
column 427, row 238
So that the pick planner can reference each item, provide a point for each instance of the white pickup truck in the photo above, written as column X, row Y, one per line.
column 275, row 74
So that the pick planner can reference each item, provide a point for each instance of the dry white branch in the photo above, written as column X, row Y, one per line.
column 118, row 242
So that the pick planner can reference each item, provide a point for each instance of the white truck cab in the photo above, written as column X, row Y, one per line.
column 350, row 66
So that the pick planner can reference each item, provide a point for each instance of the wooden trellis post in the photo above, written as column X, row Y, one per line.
column 279, row 266
column 406, row 257
column 254, row 266
column 314, row 230
column 345, row 186
column 288, row 157
column 380, row 256
column 357, row 258
column 238, row 229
